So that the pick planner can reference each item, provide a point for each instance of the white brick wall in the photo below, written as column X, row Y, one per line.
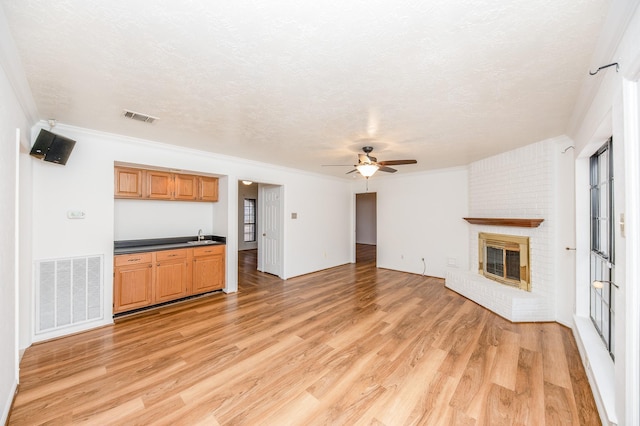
column 515, row 184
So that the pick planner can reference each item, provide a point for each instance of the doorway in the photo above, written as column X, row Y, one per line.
column 260, row 227
column 366, row 227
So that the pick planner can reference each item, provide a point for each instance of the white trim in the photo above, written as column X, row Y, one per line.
column 7, row 404
column 599, row 368
column 632, row 233
column 16, row 258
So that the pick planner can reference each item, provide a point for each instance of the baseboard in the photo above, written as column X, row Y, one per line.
column 6, row 410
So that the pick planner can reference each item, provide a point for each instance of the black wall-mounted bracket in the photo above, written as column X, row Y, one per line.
column 605, row 66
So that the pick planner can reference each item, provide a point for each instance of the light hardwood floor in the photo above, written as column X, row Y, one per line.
column 349, row 345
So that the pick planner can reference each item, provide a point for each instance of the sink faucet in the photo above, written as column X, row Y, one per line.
column 200, row 236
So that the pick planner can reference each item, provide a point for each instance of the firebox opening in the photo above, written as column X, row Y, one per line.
column 505, row 259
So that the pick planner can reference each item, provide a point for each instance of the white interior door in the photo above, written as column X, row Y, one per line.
column 271, row 237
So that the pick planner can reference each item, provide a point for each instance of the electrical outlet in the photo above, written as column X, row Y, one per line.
column 402, row 257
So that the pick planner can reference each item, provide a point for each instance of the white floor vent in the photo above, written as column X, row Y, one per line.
column 68, row 292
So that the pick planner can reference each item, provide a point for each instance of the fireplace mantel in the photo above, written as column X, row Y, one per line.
column 522, row 223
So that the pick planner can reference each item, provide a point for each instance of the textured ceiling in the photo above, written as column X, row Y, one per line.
column 302, row 84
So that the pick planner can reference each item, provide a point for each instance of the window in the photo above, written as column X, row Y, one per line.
column 249, row 220
column 602, row 309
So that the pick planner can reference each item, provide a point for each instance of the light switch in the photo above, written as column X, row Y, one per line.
column 75, row 214
column 294, row 215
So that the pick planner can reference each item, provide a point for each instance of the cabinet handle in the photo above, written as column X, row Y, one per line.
column 157, row 264
column 135, row 259
column 150, row 265
column 172, row 255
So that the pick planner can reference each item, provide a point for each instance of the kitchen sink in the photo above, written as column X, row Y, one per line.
column 201, row 242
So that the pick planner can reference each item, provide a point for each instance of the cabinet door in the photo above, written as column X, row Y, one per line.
column 208, row 188
column 128, row 183
column 159, row 185
column 208, row 269
column 208, row 274
column 186, row 187
column 132, row 287
column 171, row 280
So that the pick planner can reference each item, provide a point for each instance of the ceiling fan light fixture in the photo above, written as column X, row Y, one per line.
column 367, row 170
column 247, row 182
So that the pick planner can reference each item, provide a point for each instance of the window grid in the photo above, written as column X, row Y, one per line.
column 249, row 220
column 602, row 309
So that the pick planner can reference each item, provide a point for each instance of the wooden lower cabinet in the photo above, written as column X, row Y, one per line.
column 146, row 279
column 132, row 282
column 208, row 269
column 172, row 275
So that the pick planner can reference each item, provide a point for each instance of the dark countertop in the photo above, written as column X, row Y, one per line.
column 157, row 244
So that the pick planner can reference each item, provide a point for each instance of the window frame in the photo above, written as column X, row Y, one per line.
column 602, row 253
column 253, row 219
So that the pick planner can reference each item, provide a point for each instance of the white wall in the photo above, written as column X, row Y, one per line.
column 565, row 237
column 420, row 216
column 366, row 223
column 142, row 219
column 12, row 118
column 318, row 239
column 321, row 235
column 610, row 107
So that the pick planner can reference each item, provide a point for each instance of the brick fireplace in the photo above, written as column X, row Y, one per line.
column 513, row 194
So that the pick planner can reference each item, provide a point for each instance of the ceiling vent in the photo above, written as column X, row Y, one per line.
column 139, row 117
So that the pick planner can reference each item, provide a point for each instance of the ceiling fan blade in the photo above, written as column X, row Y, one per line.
column 354, row 170
column 397, row 162
column 336, row 165
column 387, row 169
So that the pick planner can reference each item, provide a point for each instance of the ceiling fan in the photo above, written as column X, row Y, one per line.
column 368, row 165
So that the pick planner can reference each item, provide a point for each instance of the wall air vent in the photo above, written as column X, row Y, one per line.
column 68, row 292
column 139, row 116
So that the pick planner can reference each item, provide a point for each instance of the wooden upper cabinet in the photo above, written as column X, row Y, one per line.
column 128, row 182
column 208, row 188
column 186, row 187
column 159, row 185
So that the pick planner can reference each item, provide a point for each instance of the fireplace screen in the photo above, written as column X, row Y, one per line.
column 505, row 258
